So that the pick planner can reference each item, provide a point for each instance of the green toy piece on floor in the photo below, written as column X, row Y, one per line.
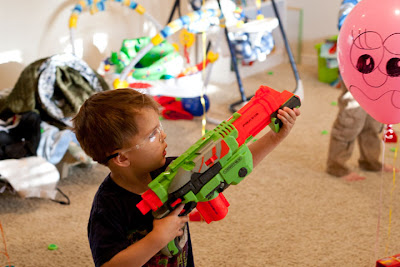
column 52, row 247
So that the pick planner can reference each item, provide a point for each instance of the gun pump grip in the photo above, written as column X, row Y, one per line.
column 215, row 209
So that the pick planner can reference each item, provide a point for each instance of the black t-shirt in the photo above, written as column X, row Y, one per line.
column 115, row 223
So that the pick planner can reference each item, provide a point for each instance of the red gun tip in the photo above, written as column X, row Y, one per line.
column 150, row 201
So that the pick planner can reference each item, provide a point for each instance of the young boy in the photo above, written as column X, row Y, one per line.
column 121, row 129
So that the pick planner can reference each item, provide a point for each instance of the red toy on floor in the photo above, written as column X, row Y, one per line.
column 393, row 261
column 390, row 135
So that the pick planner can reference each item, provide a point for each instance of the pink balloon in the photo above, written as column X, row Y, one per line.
column 369, row 57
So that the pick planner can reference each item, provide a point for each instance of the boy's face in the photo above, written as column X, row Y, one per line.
column 149, row 146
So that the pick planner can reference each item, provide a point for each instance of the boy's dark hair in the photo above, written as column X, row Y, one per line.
column 106, row 121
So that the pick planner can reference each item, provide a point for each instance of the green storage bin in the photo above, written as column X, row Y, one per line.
column 325, row 74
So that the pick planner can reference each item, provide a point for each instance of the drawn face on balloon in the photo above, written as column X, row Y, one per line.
column 377, row 61
column 369, row 59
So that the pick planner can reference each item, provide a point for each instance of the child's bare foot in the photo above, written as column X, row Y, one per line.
column 389, row 168
column 352, row 177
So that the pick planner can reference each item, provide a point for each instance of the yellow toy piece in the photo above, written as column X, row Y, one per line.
column 120, row 84
column 186, row 38
column 176, row 47
column 140, row 9
column 239, row 24
column 73, row 19
column 156, row 40
column 212, row 57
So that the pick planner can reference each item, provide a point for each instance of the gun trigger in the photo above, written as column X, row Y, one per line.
column 176, row 202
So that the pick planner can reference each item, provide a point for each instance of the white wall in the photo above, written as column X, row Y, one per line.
column 31, row 30
column 320, row 17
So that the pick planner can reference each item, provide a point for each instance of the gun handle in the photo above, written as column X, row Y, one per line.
column 276, row 124
column 172, row 248
column 176, row 245
column 215, row 209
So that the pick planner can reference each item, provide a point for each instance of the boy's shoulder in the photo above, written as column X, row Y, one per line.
column 113, row 194
column 109, row 195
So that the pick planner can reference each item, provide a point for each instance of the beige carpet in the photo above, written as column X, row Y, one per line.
column 288, row 212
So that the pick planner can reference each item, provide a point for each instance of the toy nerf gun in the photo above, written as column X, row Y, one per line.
column 220, row 158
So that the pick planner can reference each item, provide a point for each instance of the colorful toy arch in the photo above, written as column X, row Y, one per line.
column 167, row 31
column 154, row 54
column 95, row 6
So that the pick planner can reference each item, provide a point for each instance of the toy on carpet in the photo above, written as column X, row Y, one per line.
column 172, row 108
column 175, row 108
column 390, row 135
column 52, row 247
column 393, row 261
column 193, row 105
column 328, row 71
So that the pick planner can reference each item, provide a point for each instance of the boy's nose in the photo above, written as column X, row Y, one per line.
column 163, row 136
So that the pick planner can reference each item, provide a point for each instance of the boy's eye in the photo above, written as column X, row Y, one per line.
column 152, row 136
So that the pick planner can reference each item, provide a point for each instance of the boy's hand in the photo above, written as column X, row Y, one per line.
column 288, row 117
column 171, row 226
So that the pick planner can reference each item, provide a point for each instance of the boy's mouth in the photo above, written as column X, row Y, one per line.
column 165, row 150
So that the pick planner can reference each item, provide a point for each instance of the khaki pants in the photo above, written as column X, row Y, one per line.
column 353, row 123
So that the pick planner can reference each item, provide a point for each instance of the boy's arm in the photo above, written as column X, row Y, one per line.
column 164, row 230
column 263, row 146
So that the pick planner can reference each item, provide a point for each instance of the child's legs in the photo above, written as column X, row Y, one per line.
column 370, row 145
column 347, row 126
column 339, row 153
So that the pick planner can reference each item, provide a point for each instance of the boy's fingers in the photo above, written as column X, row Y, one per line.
column 282, row 118
column 288, row 111
column 293, row 112
column 178, row 210
column 288, row 115
column 180, row 232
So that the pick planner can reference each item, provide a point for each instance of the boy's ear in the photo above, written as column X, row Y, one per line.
column 121, row 160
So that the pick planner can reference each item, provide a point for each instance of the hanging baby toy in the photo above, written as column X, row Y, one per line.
column 369, row 57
